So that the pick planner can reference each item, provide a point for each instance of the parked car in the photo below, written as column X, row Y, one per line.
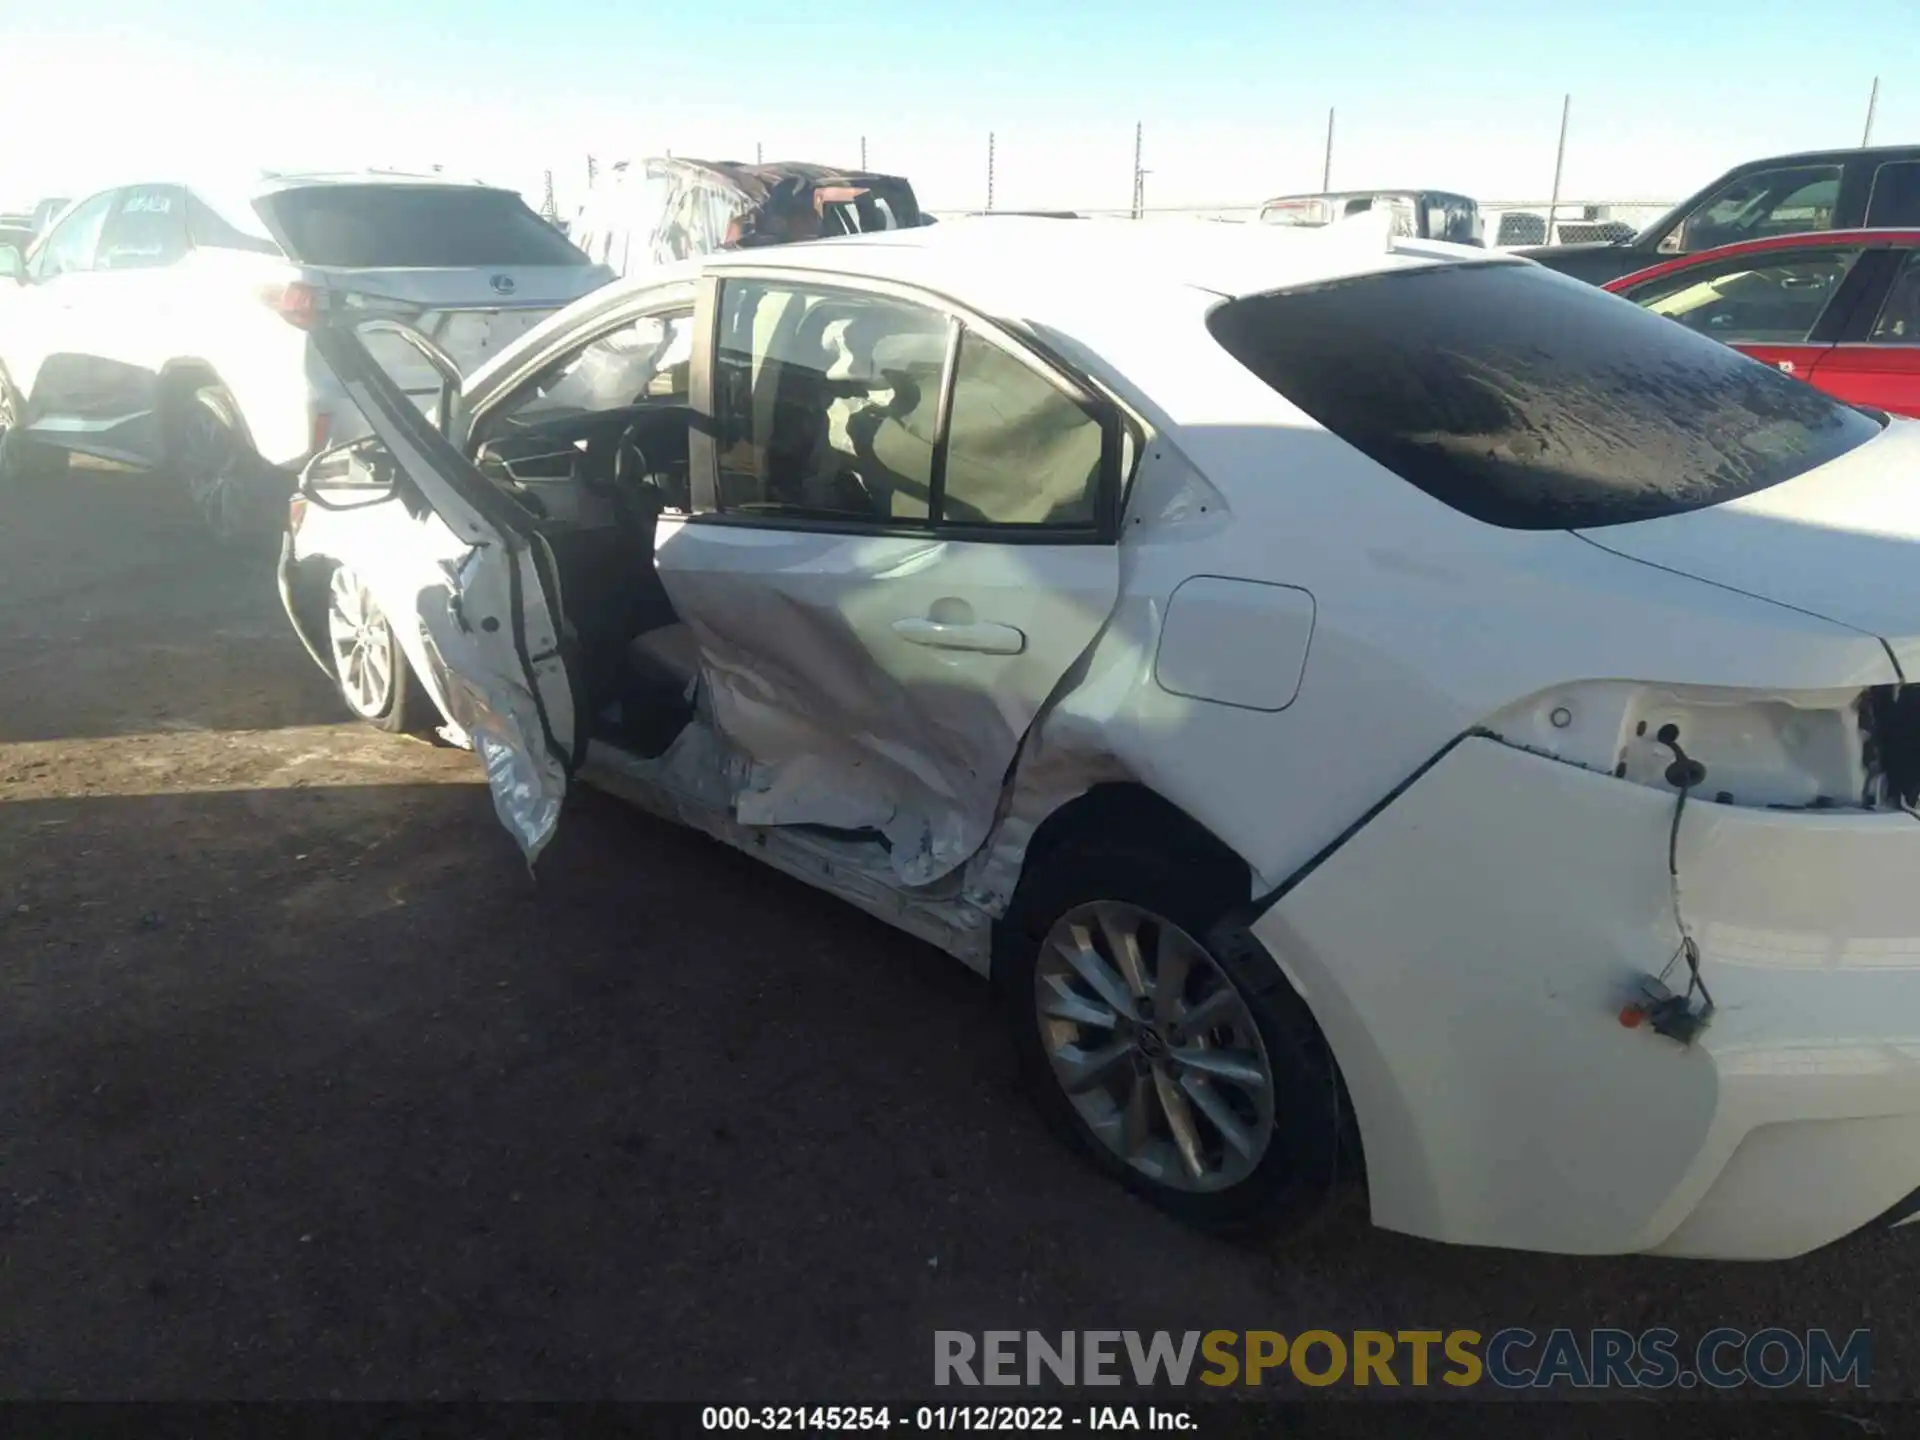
column 1432, row 214
column 18, row 238
column 1840, row 309
column 148, row 326
column 668, row 208
column 1194, row 630
column 1782, row 195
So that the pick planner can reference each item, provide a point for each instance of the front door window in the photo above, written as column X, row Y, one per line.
column 1787, row 201
column 1769, row 299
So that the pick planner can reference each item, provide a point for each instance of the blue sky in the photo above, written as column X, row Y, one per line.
column 1233, row 95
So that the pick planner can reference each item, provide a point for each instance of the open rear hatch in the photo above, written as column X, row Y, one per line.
column 471, row 268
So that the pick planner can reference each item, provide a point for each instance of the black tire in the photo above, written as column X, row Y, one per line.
column 1298, row 1172
column 20, row 459
column 210, row 455
column 402, row 716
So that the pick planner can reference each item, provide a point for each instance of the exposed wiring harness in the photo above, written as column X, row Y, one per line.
column 1674, row 1013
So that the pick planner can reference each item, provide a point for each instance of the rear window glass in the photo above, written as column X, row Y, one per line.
column 1532, row 401
column 412, row 227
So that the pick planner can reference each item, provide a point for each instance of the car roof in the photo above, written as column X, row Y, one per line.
column 1040, row 269
column 1808, row 240
column 1426, row 190
column 1835, row 156
column 275, row 181
column 252, row 185
column 1063, row 278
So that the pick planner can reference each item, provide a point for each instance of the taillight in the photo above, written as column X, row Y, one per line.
column 296, row 512
column 296, row 302
column 322, row 429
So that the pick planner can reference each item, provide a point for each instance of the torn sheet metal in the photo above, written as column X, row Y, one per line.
column 848, row 676
column 511, row 724
column 799, row 758
column 686, row 786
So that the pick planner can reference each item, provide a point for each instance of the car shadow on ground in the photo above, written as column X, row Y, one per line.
column 121, row 614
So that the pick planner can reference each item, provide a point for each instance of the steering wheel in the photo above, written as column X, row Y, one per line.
column 636, row 482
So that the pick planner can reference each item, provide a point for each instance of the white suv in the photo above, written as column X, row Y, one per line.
column 162, row 325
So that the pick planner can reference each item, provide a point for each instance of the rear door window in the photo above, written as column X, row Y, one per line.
column 384, row 226
column 148, row 228
column 1895, row 197
column 1775, row 298
column 1898, row 322
column 1531, row 401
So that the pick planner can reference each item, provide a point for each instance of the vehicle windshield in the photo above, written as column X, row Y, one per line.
column 1311, row 212
column 1532, row 401
column 874, row 205
column 1454, row 218
column 1315, row 210
column 395, row 227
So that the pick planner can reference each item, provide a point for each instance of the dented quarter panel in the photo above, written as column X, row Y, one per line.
column 1404, row 579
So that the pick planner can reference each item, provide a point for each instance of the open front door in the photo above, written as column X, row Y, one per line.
column 488, row 602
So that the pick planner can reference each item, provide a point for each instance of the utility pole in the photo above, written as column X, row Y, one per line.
column 1139, row 175
column 1559, row 164
column 1873, row 103
column 863, row 154
column 756, row 154
column 989, row 171
column 1326, row 166
column 548, row 210
column 592, row 170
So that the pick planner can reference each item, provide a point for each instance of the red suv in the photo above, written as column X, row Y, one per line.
column 1839, row 309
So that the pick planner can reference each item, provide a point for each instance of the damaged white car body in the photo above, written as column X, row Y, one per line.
column 1356, row 696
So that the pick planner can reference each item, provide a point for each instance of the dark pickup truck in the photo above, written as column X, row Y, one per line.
column 1783, row 195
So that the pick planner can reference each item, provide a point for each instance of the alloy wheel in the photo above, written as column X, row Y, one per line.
column 1154, row 1046
column 362, row 645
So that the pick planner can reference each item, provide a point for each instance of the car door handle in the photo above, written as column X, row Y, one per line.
column 982, row 636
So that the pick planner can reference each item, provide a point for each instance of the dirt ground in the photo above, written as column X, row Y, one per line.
column 308, row 1089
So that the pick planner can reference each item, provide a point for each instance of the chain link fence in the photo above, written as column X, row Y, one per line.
column 1508, row 224
column 1514, row 223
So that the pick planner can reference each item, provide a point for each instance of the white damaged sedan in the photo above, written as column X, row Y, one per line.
column 1371, row 706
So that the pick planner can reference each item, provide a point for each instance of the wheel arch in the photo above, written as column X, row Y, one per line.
column 1126, row 812
column 185, row 376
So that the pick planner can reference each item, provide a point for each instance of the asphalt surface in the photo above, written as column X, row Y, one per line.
column 308, row 1089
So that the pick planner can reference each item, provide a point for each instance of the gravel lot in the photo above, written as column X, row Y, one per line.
column 308, row 1089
